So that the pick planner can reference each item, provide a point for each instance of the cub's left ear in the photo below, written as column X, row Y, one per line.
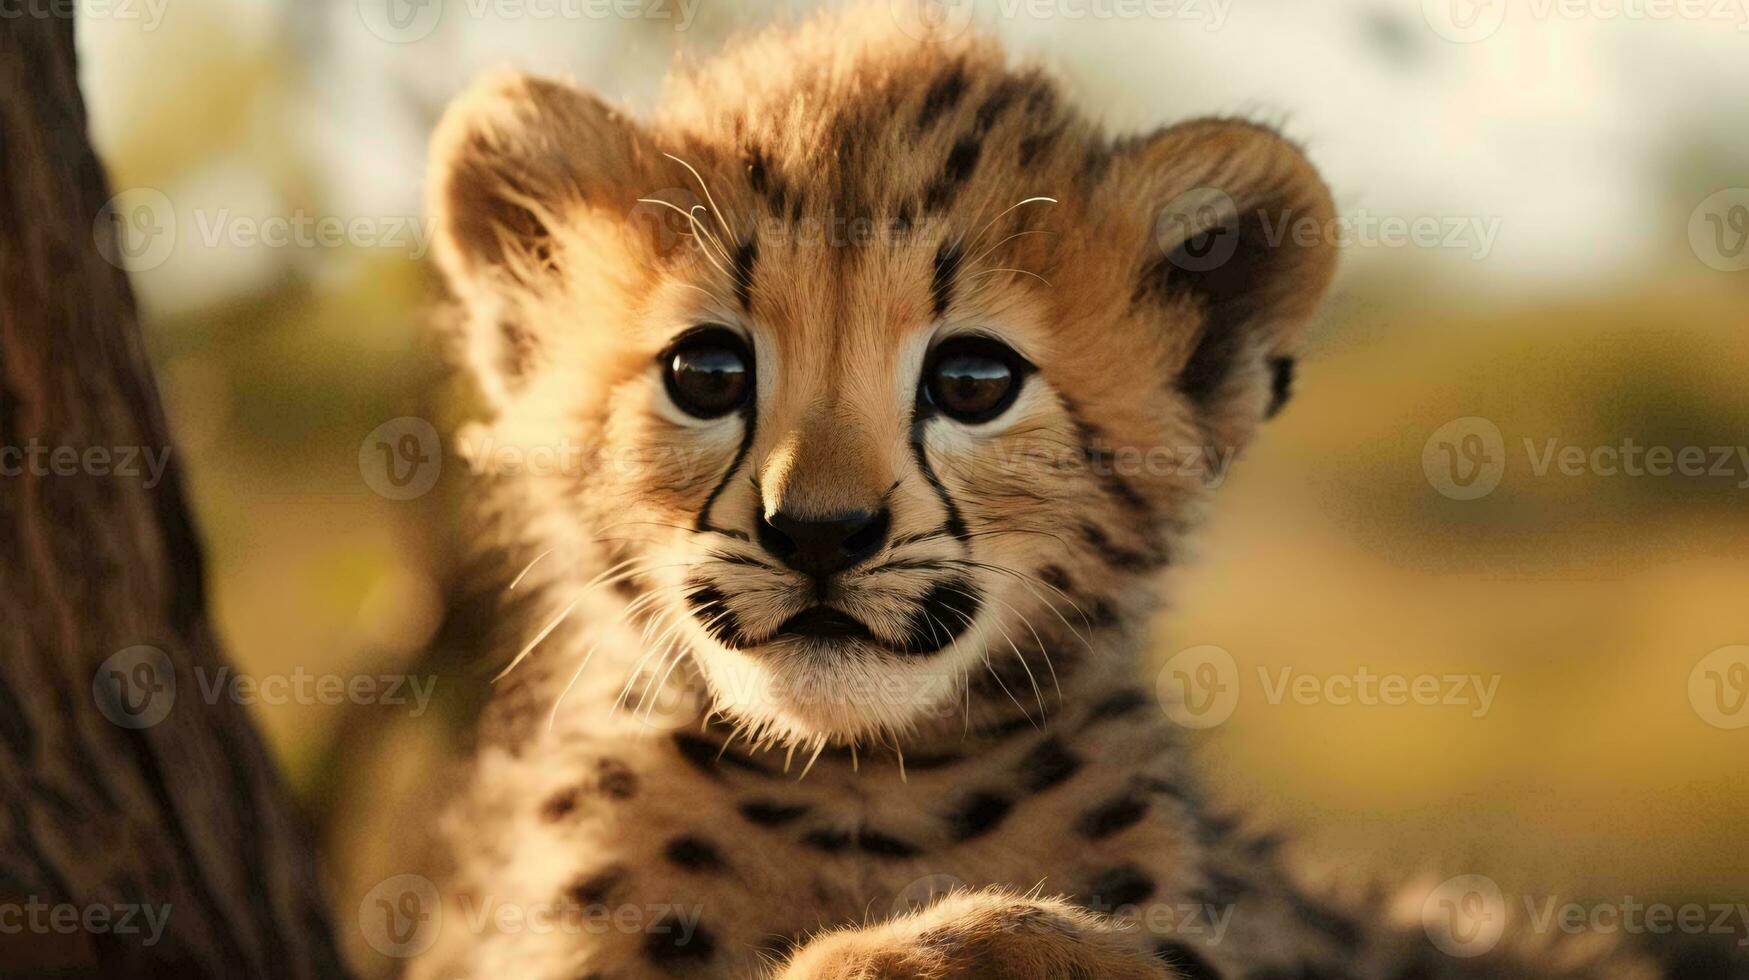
column 1238, row 256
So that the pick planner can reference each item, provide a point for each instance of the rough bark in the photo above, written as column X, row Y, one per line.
column 102, row 804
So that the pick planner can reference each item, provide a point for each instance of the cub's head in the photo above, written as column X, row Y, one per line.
column 871, row 366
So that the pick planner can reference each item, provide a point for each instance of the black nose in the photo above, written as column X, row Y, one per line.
column 822, row 546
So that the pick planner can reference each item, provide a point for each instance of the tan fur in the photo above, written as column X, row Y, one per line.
column 635, row 759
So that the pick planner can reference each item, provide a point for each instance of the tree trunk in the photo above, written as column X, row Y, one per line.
column 143, row 828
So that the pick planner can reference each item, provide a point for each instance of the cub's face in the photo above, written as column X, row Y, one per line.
column 873, row 381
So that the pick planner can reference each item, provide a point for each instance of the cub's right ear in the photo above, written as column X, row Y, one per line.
column 521, row 171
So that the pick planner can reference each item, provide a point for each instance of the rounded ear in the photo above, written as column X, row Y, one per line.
column 518, row 167
column 1240, row 255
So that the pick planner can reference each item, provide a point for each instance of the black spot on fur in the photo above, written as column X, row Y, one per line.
column 668, row 945
column 694, row 854
column 757, row 177
column 559, row 806
column 746, row 256
column 947, row 267
column 942, row 96
column 616, row 779
column 768, row 813
column 1115, row 887
column 1190, row 964
column 978, row 814
column 1281, row 387
column 829, row 841
column 1056, row 578
column 944, row 612
column 1341, row 930
column 596, row 888
column 708, row 756
column 1118, row 704
column 1122, row 559
column 1047, row 765
column 1112, row 817
column 1034, row 147
column 877, row 844
column 999, row 99
column 1220, row 888
column 961, row 161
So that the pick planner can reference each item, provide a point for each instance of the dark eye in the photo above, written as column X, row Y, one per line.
column 708, row 372
column 974, row 379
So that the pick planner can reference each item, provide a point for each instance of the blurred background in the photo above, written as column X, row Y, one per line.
column 1546, row 222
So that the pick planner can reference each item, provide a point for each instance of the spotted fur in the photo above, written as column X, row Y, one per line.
column 754, row 804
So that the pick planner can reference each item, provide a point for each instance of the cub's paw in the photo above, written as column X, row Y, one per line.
column 981, row 935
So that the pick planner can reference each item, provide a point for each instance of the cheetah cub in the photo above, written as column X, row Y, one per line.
column 843, row 415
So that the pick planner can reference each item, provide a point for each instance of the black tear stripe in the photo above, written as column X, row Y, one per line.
column 1116, row 705
column 947, row 268
column 749, row 425
column 1281, row 385
column 711, row 608
column 943, row 614
column 746, row 255
column 954, row 522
